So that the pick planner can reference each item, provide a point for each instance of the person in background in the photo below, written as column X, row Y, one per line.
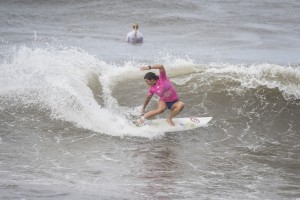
column 135, row 36
column 162, row 87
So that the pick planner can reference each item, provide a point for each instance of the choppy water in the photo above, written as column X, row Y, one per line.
column 70, row 83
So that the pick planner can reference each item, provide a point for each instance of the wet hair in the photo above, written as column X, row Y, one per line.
column 151, row 76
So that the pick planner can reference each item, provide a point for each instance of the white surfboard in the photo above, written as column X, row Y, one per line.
column 181, row 124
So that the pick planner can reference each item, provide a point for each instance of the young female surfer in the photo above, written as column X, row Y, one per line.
column 162, row 87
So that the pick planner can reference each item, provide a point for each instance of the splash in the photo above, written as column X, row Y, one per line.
column 61, row 80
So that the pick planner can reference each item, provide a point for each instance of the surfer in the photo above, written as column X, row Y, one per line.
column 135, row 36
column 162, row 87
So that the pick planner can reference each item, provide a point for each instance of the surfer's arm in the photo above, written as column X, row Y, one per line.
column 147, row 100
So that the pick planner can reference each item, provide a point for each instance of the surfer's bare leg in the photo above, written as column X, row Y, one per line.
column 176, row 109
column 160, row 109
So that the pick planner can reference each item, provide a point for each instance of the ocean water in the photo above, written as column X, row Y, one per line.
column 70, row 86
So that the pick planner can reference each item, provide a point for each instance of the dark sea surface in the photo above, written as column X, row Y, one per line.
column 70, row 86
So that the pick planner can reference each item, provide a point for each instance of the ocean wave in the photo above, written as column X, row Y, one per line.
column 285, row 78
column 77, row 87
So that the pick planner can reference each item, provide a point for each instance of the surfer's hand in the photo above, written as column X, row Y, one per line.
column 143, row 68
column 143, row 111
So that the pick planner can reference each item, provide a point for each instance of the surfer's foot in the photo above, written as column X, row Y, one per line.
column 170, row 122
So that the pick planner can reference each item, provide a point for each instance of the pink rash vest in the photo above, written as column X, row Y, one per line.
column 164, row 89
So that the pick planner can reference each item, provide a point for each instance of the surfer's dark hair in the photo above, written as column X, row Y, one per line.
column 151, row 76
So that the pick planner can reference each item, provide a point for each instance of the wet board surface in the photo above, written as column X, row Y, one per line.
column 181, row 124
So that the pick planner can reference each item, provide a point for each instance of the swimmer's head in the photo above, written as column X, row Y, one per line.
column 135, row 26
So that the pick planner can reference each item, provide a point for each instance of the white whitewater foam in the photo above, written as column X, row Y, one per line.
column 60, row 78
column 286, row 79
